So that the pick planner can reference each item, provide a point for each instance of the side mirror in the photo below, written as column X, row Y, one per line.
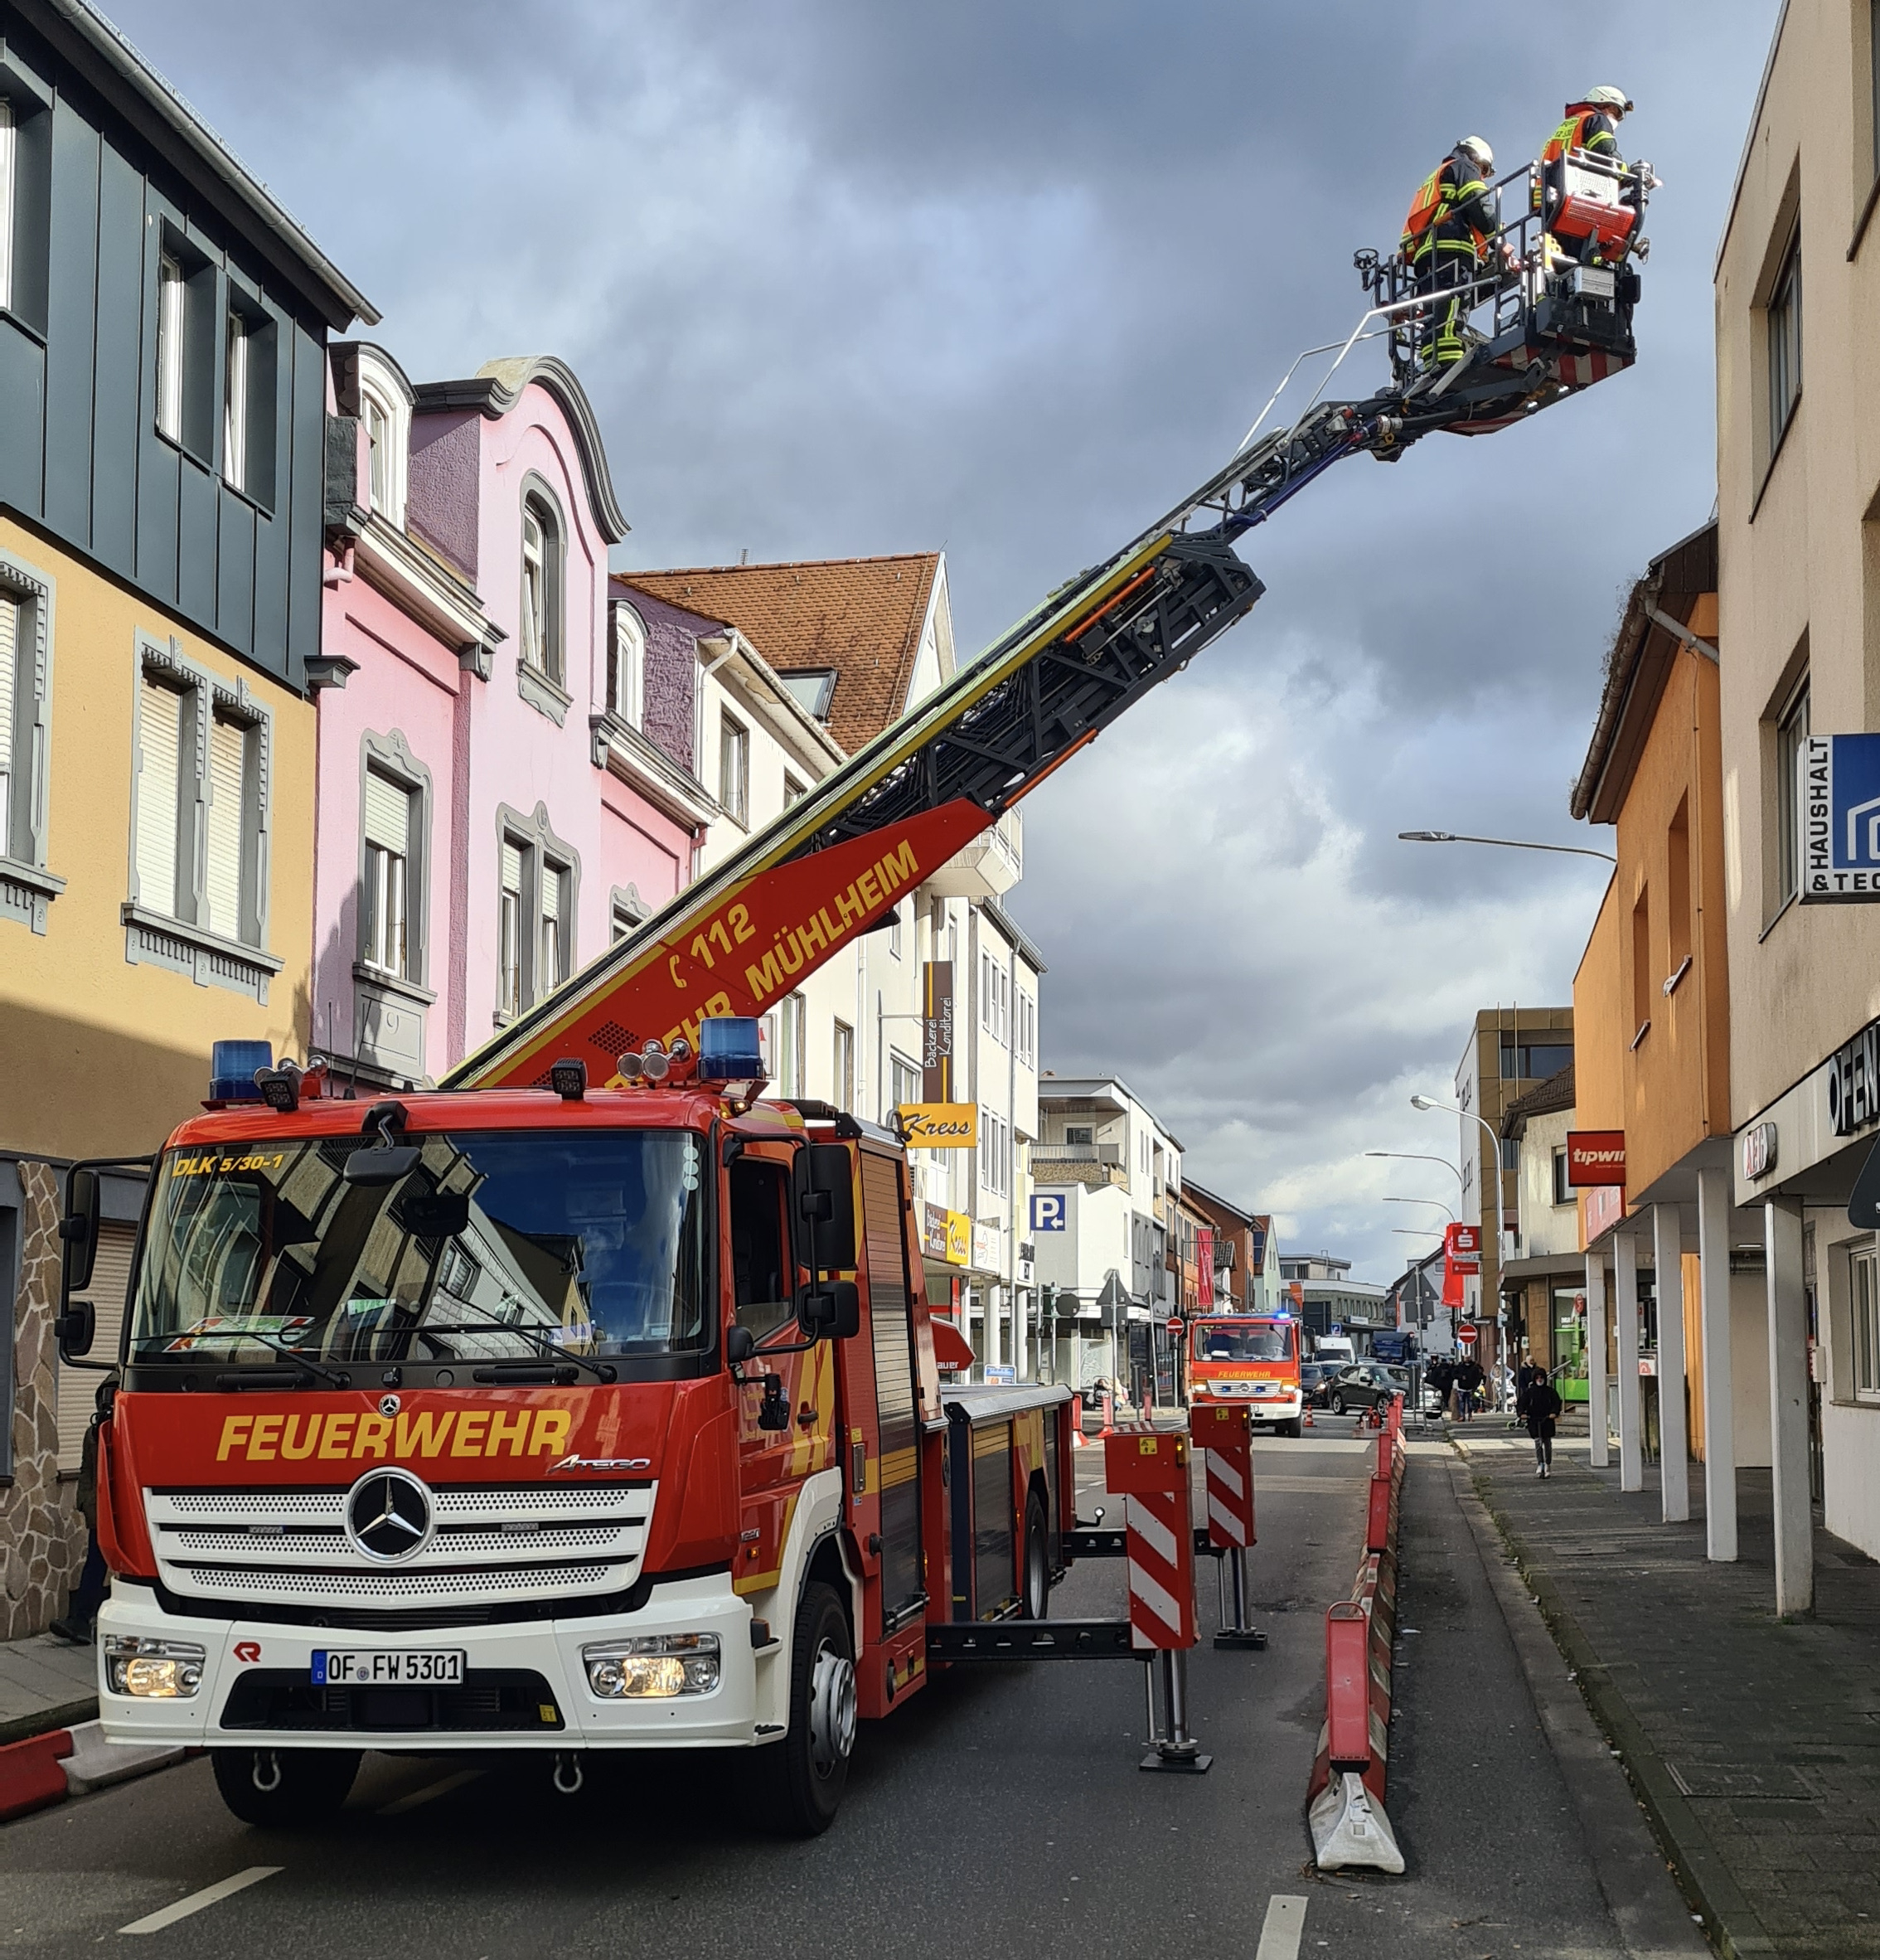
column 79, row 1228
column 376, row 1164
column 77, row 1324
column 826, row 1203
column 740, row 1344
column 829, row 1312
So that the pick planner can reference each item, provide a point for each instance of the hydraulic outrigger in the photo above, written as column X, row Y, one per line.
column 833, row 865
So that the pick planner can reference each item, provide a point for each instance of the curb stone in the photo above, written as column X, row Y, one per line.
column 1739, row 1933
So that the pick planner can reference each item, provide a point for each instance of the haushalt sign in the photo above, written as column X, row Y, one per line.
column 1840, row 819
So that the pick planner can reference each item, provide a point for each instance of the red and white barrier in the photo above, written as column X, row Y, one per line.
column 1345, row 1803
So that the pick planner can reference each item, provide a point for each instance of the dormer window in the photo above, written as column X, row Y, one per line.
column 627, row 666
column 385, row 412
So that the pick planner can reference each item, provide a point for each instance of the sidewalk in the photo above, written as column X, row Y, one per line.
column 45, row 1684
column 1754, row 1746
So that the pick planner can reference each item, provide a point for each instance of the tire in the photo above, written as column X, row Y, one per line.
column 313, row 1783
column 1338, row 1405
column 1296, row 1427
column 1034, row 1575
column 800, row 1780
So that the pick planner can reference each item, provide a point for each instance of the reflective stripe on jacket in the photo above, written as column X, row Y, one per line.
column 1452, row 207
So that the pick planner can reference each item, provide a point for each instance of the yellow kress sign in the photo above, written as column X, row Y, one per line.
column 940, row 1126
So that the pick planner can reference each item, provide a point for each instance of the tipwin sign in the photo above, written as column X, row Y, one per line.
column 1596, row 1157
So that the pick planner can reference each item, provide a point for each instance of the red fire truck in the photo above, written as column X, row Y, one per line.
column 553, row 1419
column 1251, row 1360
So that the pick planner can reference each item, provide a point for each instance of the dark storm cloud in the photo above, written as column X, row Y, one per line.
column 844, row 278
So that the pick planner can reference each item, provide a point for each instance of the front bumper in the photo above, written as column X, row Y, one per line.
column 246, row 1661
column 1277, row 1408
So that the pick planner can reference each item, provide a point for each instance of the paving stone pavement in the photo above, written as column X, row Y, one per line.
column 45, row 1683
column 1753, row 1744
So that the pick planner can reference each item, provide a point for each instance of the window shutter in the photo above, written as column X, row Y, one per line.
column 159, row 739
column 228, row 771
column 9, row 680
column 552, row 893
column 388, row 814
column 512, row 868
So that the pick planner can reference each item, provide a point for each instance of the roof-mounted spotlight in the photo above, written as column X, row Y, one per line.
column 568, row 1080
column 280, row 1088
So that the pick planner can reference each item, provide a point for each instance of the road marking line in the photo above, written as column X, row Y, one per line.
column 209, row 1895
column 443, row 1786
column 1284, row 1929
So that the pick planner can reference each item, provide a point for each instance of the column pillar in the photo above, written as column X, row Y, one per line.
column 1674, row 1432
column 1788, row 1406
column 1625, row 1327
column 1600, row 1455
column 1719, row 1393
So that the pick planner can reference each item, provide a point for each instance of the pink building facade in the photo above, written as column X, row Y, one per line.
column 490, row 813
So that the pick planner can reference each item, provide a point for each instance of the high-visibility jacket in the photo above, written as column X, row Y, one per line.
column 1452, row 211
column 1585, row 129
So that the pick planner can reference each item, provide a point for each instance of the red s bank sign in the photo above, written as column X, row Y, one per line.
column 1596, row 1157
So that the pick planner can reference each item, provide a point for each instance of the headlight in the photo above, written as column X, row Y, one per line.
column 657, row 1666
column 154, row 1670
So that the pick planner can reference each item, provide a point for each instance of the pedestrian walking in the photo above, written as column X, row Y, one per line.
column 1440, row 1376
column 1544, row 1407
column 88, row 1595
column 1469, row 1378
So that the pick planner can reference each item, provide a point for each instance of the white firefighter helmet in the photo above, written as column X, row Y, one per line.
column 1606, row 97
column 1477, row 151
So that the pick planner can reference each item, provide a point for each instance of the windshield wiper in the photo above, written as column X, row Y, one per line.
column 310, row 1371
column 601, row 1371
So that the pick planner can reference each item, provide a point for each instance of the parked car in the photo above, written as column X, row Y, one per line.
column 1315, row 1377
column 1361, row 1384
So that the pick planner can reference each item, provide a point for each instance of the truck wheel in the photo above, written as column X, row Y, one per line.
column 1338, row 1405
column 1035, row 1582
column 1295, row 1427
column 301, row 1785
column 800, row 1780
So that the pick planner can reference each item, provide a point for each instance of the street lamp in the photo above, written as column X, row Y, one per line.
column 1449, row 837
column 1417, row 1157
column 1495, row 1157
column 1437, row 1202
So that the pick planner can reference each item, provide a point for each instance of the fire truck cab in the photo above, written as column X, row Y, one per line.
column 1251, row 1360
column 547, row 1419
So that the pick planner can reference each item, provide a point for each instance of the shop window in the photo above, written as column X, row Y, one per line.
column 1865, row 1275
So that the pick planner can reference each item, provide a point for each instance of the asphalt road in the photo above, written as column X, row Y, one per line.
column 1001, row 1810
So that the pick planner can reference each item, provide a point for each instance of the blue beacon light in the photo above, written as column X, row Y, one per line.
column 728, row 1049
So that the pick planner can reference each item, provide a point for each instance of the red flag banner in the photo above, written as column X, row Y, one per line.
column 1462, row 1259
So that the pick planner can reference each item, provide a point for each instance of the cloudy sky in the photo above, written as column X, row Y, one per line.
column 1008, row 276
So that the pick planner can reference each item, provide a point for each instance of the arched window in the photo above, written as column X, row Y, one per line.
column 384, row 409
column 627, row 666
column 541, row 622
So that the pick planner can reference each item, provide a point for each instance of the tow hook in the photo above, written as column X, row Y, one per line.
column 567, row 1775
column 266, row 1773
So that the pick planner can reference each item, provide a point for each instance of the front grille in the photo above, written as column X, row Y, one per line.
column 494, row 1544
column 492, row 1699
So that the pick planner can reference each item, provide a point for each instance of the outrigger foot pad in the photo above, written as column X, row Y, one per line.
column 1195, row 1765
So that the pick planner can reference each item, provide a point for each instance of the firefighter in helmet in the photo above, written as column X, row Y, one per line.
column 1447, row 241
column 1590, row 129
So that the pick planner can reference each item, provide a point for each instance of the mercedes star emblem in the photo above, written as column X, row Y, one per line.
column 389, row 1515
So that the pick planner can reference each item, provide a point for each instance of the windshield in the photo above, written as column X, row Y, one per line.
column 1262, row 1341
column 499, row 1244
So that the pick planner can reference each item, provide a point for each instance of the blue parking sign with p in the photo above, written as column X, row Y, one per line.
column 1047, row 1211
column 1839, row 818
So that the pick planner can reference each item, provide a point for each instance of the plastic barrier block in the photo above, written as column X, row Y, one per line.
column 31, row 1774
column 1348, row 1697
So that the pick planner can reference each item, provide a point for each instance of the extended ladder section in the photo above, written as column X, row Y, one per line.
column 835, row 863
